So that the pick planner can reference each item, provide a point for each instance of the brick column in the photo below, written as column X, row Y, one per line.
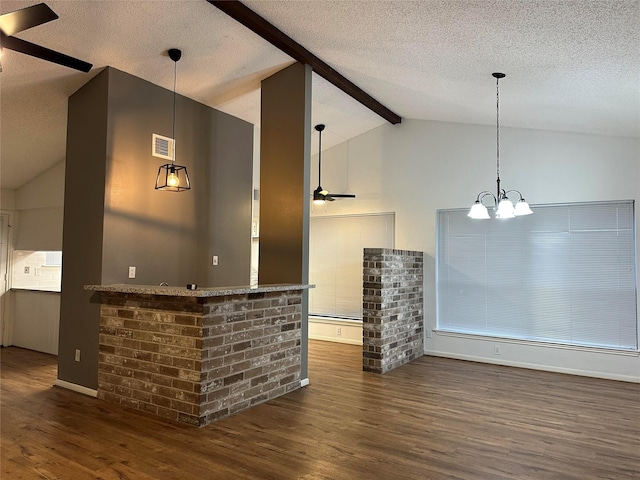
column 392, row 320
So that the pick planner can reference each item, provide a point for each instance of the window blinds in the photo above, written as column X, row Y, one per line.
column 564, row 275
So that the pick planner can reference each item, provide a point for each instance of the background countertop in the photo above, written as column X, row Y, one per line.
column 200, row 292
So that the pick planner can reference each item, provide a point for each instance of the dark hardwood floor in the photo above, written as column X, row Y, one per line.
column 432, row 419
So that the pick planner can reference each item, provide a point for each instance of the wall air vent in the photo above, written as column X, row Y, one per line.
column 162, row 147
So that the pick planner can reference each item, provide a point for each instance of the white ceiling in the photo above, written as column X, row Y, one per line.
column 571, row 65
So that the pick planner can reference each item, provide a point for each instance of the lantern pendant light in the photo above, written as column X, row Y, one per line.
column 171, row 176
column 501, row 203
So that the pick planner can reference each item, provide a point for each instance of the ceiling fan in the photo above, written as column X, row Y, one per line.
column 19, row 20
column 320, row 195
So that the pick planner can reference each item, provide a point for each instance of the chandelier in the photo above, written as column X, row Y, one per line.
column 501, row 204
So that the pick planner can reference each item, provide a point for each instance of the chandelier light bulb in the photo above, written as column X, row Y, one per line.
column 522, row 208
column 505, row 209
column 478, row 211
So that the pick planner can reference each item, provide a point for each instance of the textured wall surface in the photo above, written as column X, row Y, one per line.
column 392, row 317
column 196, row 360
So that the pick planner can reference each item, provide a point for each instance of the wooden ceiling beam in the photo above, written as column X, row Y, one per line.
column 254, row 22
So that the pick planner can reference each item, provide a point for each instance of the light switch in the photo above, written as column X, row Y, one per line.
column 132, row 272
column 215, row 260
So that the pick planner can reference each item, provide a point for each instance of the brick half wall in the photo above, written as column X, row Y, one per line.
column 392, row 320
column 197, row 360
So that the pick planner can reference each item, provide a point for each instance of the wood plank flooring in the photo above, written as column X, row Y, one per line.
column 432, row 419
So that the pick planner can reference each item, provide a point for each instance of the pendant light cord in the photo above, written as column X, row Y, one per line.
column 173, row 128
column 498, row 133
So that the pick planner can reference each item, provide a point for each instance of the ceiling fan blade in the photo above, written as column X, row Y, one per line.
column 22, row 46
column 343, row 195
column 329, row 198
column 14, row 22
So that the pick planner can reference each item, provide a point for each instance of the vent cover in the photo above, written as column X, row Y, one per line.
column 162, row 147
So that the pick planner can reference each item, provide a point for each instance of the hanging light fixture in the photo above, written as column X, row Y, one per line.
column 171, row 176
column 501, row 203
column 320, row 195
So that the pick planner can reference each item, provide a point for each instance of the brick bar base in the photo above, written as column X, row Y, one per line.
column 392, row 322
column 196, row 360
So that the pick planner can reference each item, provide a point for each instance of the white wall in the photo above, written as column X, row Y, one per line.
column 40, row 209
column 417, row 167
column 335, row 330
column 37, row 320
column 6, row 248
column 33, row 318
column 7, row 199
column 255, row 208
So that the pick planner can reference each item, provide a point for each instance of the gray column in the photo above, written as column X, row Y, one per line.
column 285, row 155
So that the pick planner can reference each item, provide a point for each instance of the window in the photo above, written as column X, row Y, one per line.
column 336, row 248
column 33, row 270
column 564, row 275
column 53, row 259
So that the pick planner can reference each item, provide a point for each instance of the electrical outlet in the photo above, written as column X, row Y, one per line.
column 132, row 272
column 496, row 349
column 77, row 355
column 338, row 330
column 215, row 260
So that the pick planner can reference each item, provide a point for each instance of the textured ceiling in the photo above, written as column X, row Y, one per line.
column 570, row 65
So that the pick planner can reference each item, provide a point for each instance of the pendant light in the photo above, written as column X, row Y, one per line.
column 501, row 203
column 171, row 176
column 320, row 195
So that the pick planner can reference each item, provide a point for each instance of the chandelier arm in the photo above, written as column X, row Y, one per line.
column 513, row 190
column 484, row 194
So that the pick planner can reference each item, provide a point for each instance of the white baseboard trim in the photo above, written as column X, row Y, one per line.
column 304, row 382
column 533, row 366
column 335, row 321
column 76, row 388
column 335, row 339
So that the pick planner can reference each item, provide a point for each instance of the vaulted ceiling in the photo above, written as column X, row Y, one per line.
column 571, row 65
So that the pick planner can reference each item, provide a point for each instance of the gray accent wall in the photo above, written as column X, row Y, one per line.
column 82, row 231
column 114, row 218
column 285, row 157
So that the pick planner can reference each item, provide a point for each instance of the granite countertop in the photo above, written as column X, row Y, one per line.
column 200, row 292
column 32, row 289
